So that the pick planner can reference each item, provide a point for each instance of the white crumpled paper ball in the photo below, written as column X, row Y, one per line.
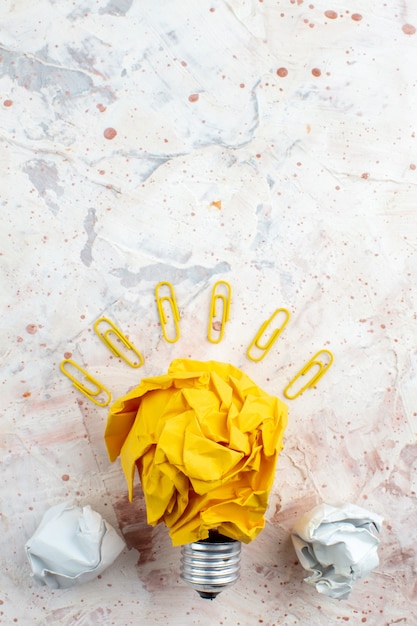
column 72, row 545
column 338, row 545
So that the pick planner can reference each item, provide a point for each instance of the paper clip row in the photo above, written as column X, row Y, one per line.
column 317, row 361
column 220, row 299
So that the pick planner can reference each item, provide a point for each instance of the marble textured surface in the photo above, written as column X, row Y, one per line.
column 121, row 123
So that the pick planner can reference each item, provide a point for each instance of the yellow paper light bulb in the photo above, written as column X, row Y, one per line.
column 205, row 440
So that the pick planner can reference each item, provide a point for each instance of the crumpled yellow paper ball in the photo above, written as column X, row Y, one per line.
column 205, row 439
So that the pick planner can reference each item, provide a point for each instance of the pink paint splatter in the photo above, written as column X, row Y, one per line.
column 67, row 355
column 409, row 29
column 356, row 17
column 282, row 72
column 193, row 97
column 101, row 107
column 110, row 133
column 332, row 15
column 65, row 477
column 412, row 166
column 316, row 72
column 8, row 103
column 32, row 329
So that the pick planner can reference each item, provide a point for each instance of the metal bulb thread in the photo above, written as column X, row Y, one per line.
column 211, row 565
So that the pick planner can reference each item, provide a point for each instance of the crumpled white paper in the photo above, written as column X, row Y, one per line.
column 338, row 545
column 71, row 546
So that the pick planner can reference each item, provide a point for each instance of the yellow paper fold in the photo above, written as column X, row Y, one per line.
column 205, row 440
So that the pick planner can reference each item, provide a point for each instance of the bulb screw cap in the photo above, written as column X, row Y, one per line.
column 211, row 565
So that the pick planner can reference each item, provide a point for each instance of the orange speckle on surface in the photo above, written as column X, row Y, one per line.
column 242, row 85
column 408, row 29
column 26, row 394
column 365, row 175
column 282, row 72
column 67, row 355
column 193, row 97
column 31, row 329
column 332, row 15
column 412, row 166
column 316, row 72
column 110, row 133
column 101, row 107
column 8, row 103
column 65, row 477
column 356, row 17
column 308, row 128
column 217, row 204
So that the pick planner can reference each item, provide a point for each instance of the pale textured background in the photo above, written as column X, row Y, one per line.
column 317, row 176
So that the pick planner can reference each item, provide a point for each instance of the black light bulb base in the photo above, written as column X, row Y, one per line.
column 211, row 565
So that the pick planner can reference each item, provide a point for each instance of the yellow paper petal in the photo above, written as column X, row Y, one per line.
column 207, row 460
column 158, row 490
column 238, row 440
column 117, row 430
column 222, row 389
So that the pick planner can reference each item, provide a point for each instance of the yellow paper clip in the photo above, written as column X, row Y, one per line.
column 113, row 330
column 323, row 367
column 92, row 394
column 266, row 346
column 162, row 315
column 225, row 299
